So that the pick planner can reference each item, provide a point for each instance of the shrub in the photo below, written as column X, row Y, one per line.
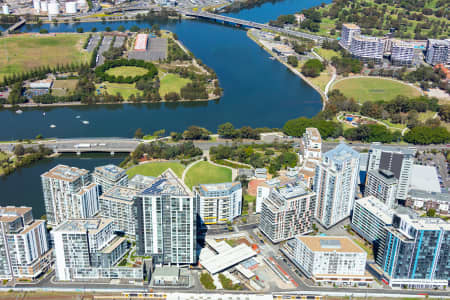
column 207, row 281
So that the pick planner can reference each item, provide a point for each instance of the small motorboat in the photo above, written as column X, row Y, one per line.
column 19, row 111
column 43, row 114
column 77, row 117
column 85, row 122
column 52, row 126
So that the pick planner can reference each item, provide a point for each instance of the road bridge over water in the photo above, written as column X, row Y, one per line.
column 250, row 24
column 15, row 26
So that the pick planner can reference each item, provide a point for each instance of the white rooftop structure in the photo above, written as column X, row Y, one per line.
column 424, row 178
column 377, row 208
column 245, row 272
column 219, row 247
column 228, row 258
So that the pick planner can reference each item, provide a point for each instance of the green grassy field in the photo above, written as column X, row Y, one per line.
column 126, row 71
column 327, row 53
column 124, row 89
column 374, row 89
column 63, row 87
column 204, row 172
column 25, row 52
column 155, row 169
column 171, row 83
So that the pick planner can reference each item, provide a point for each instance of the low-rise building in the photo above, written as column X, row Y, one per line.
column 287, row 211
column 331, row 259
column 219, row 203
column 383, row 185
column 429, row 200
column 24, row 246
column 88, row 249
column 369, row 220
column 417, row 251
column 117, row 204
column 108, row 176
column 425, row 178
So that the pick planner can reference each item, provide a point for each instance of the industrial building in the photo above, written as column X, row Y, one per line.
column 335, row 184
column 24, row 245
column 117, row 204
column 219, row 203
column 287, row 211
column 425, row 178
column 382, row 184
column 69, row 193
column 370, row 218
column 109, row 176
column 88, row 249
column 398, row 160
column 416, row 251
column 166, row 221
column 331, row 259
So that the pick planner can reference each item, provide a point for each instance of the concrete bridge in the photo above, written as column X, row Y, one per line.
column 249, row 24
column 15, row 26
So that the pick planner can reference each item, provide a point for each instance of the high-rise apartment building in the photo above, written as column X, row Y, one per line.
column 348, row 31
column 383, row 185
column 370, row 218
column 335, row 184
column 69, row 193
column 312, row 144
column 287, row 211
column 417, row 252
column 330, row 259
column 367, row 48
column 108, row 176
column 24, row 245
column 166, row 222
column 398, row 160
column 219, row 203
column 264, row 188
column 438, row 52
column 117, row 204
column 402, row 53
column 87, row 249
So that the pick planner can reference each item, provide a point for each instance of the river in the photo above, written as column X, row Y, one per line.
column 257, row 92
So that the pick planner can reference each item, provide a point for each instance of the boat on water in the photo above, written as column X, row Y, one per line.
column 43, row 113
column 19, row 111
column 52, row 126
column 85, row 122
column 77, row 117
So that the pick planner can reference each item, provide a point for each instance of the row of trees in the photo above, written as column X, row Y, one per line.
column 228, row 131
column 24, row 157
column 101, row 71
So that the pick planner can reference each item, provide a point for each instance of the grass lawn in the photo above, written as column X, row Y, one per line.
column 322, row 80
column 426, row 115
column 126, row 71
column 63, row 87
column 171, row 83
column 248, row 199
column 374, row 89
column 125, row 89
column 368, row 248
column 25, row 52
column 204, row 172
column 327, row 53
column 155, row 169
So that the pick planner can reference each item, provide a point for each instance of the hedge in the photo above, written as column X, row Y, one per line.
column 100, row 71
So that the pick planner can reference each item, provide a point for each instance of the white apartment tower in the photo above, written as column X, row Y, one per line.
column 398, row 160
column 219, row 203
column 118, row 204
column 166, row 221
column 348, row 31
column 287, row 211
column 438, row 52
column 382, row 184
column 108, row 176
column 402, row 53
column 264, row 188
column 312, row 144
column 335, row 184
column 24, row 245
column 367, row 48
column 69, row 193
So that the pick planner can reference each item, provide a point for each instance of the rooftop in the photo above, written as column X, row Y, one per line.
column 330, row 244
column 116, row 242
column 425, row 178
column 65, row 173
column 314, row 134
column 386, row 175
column 120, row 193
column 277, row 182
column 168, row 183
column 139, row 179
column 279, row 196
column 110, row 170
column 218, row 187
column 11, row 213
column 396, row 149
column 377, row 208
column 422, row 223
column 342, row 153
column 417, row 194
column 351, row 26
column 228, row 258
column 82, row 225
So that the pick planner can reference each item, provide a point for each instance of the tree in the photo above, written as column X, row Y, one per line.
column 94, row 29
column 431, row 213
column 159, row 133
column 121, row 28
column 19, row 150
column 80, row 30
column 138, row 134
column 196, row 133
column 312, row 68
column 43, row 31
column 108, row 29
column 227, row 131
column 134, row 28
column 292, row 60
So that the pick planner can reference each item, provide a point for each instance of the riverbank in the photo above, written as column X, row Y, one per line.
column 291, row 68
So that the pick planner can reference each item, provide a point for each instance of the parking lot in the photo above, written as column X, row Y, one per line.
column 106, row 43
column 438, row 160
column 93, row 42
column 157, row 50
column 119, row 42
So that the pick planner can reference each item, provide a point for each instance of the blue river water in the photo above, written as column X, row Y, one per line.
column 257, row 92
